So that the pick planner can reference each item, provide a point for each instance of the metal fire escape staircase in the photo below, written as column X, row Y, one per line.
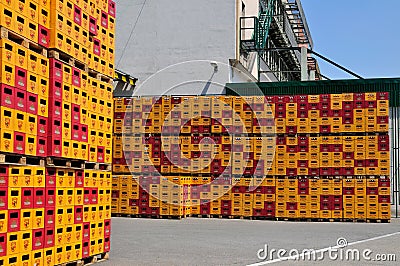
column 264, row 21
column 259, row 26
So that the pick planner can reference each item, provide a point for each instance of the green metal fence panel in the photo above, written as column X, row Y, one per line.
column 391, row 85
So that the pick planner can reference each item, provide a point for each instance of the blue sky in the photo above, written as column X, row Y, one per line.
column 361, row 35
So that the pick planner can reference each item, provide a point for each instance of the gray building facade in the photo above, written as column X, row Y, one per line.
column 186, row 47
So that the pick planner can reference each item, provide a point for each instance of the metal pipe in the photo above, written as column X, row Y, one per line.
column 238, row 31
column 395, row 158
column 304, row 64
column 335, row 64
column 396, row 166
column 323, row 76
column 312, row 75
column 392, row 151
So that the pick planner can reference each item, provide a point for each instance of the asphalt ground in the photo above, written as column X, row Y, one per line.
column 196, row 241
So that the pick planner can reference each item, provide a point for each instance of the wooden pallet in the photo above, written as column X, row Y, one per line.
column 88, row 261
column 310, row 220
column 237, row 217
column 284, row 219
column 200, row 215
column 98, row 166
column 383, row 221
column 127, row 215
column 173, row 217
column 123, row 215
column 347, row 220
column 217, row 216
column 97, row 258
column 68, row 59
column 264, row 135
column 149, row 216
column 18, row 159
column 223, row 216
column 56, row 162
column 264, row 218
column 330, row 220
column 125, row 173
column 377, row 133
column 359, row 220
column 16, row 38
column 99, row 76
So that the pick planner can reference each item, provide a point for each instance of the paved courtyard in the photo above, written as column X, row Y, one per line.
column 197, row 241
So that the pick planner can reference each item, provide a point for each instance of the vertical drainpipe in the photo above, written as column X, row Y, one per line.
column 237, row 48
column 391, row 134
column 312, row 75
column 394, row 158
column 303, row 63
column 238, row 29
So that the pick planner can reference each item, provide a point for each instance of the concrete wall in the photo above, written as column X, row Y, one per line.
column 252, row 7
column 175, row 31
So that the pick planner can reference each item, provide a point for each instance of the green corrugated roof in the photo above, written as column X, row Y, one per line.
column 391, row 85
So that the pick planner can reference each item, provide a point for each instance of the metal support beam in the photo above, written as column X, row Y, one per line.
column 335, row 64
column 322, row 76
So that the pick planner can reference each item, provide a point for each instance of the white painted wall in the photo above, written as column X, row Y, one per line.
column 252, row 8
column 175, row 31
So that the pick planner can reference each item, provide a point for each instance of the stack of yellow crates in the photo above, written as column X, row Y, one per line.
column 57, row 67
column 285, row 157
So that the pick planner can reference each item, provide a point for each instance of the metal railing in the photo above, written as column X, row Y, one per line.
column 394, row 131
column 248, row 33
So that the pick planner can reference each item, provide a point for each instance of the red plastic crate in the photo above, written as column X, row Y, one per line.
column 7, row 96
column 27, row 198
column 93, row 25
column 20, row 99
column 56, row 70
column 3, row 177
column 112, row 8
column 3, row 245
column 44, row 36
column 32, row 103
column 348, row 190
column 384, row 182
column 38, row 239
column 50, row 197
column 19, row 142
column 77, row 15
column 14, row 218
column 39, row 198
column 78, row 214
column 107, row 244
column 384, row 199
column 49, row 237
column 76, row 77
column 54, row 147
column 21, row 78
column 97, row 48
column 55, row 108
